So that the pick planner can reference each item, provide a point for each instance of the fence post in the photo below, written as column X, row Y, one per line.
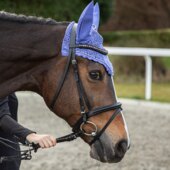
column 148, row 77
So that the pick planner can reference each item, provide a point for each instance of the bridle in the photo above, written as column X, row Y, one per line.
column 83, row 99
column 78, row 128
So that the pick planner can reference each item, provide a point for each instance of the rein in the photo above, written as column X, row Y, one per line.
column 22, row 154
column 77, row 129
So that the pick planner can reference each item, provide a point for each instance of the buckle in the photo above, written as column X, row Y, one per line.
column 73, row 61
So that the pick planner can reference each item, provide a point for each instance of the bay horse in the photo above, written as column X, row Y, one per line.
column 80, row 90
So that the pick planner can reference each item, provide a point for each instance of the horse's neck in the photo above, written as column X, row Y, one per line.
column 25, row 49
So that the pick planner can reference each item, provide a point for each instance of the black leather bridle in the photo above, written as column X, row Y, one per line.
column 78, row 130
column 83, row 99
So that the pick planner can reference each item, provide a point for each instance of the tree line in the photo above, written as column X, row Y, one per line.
column 60, row 10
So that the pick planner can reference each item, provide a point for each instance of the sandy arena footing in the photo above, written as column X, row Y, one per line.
column 149, row 128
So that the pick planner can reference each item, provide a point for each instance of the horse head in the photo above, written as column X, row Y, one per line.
column 85, row 95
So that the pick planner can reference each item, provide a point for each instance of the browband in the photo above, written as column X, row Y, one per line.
column 91, row 47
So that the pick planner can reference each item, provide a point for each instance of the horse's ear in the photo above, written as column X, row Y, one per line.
column 96, row 16
column 85, row 23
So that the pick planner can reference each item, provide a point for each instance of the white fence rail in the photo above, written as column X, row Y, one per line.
column 147, row 53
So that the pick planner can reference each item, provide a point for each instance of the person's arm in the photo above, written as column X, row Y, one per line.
column 10, row 126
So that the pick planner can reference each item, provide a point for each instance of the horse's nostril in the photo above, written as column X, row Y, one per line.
column 121, row 148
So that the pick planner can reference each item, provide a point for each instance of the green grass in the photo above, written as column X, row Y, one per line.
column 166, row 62
column 160, row 91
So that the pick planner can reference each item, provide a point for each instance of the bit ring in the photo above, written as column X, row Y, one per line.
column 94, row 133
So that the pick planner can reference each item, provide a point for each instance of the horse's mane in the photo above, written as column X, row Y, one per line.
column 28, row 37
column 28, row 19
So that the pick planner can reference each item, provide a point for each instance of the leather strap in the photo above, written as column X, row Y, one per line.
column 73, row 35
column 105, row 126
column 96, row 112
column 91, row 47
column 82, row 95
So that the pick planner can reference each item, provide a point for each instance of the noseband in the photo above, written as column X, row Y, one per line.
column 83, row 100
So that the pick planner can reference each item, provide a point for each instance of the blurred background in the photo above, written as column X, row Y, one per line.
column 131, row 23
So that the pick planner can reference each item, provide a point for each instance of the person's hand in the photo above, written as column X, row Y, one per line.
column 45, row 141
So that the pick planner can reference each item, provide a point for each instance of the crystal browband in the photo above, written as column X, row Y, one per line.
column 91, row 47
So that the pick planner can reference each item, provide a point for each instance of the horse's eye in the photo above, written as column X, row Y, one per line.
column 95, row 75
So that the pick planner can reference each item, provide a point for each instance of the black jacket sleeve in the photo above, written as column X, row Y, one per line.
column 4, row 108
column 7, row 124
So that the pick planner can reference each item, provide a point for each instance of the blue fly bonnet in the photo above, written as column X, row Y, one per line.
column 87, row 34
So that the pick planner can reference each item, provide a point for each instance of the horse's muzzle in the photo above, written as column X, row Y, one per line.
column 104, row 150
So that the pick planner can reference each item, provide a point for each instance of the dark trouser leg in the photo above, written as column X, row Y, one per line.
column 12, row 165
column 9, row 165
